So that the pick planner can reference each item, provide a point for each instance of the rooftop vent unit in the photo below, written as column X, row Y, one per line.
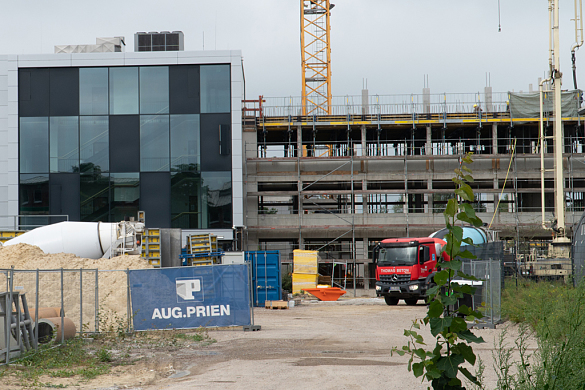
column 159, row 41
column 102, row 45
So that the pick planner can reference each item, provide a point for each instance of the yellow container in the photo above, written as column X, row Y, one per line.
column 305, row 262
column 303, row 281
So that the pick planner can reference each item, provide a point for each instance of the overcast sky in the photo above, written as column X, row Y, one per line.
column 391, row 43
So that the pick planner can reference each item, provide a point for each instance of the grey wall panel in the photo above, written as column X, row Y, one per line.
column 64, row 92
column 64, row 196
column 155, row 198
column 124, row 143
column 33, row 92
column 184, row 94
column 211, row 159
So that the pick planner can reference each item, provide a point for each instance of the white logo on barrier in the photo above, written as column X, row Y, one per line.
column 186, row 288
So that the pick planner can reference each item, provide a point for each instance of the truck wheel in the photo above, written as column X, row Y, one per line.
column 391, row 301
column 411, row 301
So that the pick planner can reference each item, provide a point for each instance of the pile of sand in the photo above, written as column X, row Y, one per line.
column 111, row 287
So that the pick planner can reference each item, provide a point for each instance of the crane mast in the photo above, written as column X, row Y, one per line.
column 316, row 56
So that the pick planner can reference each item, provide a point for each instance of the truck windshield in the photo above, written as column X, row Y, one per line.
column 398, row 256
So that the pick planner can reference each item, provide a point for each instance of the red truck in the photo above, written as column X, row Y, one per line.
column 405, row 267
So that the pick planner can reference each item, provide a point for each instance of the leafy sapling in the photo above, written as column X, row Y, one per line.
column 448, row 323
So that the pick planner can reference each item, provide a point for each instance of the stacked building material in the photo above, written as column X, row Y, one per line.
column 305, row 271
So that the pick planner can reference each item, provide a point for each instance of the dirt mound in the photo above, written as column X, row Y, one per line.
column 83, row 295
column 30, row 257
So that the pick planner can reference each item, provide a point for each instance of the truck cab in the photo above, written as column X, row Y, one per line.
column 405, row 267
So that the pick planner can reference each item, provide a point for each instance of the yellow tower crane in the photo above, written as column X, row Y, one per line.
column 316, row 56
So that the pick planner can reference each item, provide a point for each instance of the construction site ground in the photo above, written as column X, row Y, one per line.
column 314, row 345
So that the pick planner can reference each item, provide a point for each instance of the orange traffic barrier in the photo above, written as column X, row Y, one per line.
column 326, row 293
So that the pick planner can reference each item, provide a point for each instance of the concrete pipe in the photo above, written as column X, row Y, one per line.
column 50, row 329
column 46, row 312
column 84, row 239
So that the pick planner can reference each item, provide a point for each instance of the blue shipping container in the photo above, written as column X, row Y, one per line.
column 266, row 276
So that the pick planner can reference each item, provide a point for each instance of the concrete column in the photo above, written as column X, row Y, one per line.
column 494, row 138
column 300, row 185
column 366, row 255
column 429, row 196
column 365, row 197
column 364, row 143
column 496, row 195
column 429, row 144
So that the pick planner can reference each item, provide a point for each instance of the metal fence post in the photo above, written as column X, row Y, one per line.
column 96, row 303
column 80, row 301
column 37, row 310
column 128, row 310
column 62, row 311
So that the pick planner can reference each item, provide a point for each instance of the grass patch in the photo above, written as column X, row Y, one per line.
column 67, row 360
column 555, row 314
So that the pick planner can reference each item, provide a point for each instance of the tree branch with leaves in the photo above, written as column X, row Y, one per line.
column 448, row 322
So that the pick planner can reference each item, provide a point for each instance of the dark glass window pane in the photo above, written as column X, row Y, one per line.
column 64, row 197
column 33, row 200
column 33, row 92
column 124, row 143
column 123, row 91
column 216, row 189
column 94, row 197
column 34, row 145
column 184, row 89
column 64, row 139
column 93, row 143
column 154, row 143
column 124, row 195
column 186, row 200
column 154, row 90
column 185, row 153
column 211, row 158
column 93, row 91
column 155, row 198
column 215, row 88
column 64, row 92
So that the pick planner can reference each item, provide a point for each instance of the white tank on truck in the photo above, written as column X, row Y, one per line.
column 91, row 240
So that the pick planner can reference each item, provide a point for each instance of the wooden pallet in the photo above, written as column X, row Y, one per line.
column 282, row 305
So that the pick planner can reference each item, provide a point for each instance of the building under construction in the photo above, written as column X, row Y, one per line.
column 382, row 166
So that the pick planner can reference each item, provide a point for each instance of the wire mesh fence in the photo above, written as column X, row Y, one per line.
column 95, row 300
column 489, row 269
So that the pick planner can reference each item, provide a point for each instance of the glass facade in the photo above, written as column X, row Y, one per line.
column 93, row 91
column 154, row 143
column 161, row 117
column 93, row 143
column 154, row 90
column 185, row 153
column 64, row 141
column 215, row 89
column 123, row 91
column 34, row 142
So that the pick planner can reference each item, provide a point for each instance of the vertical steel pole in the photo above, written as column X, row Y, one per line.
column 37, row 309
column 96, row 309
column 128, row 310
column 62, row 311
column 80, row 301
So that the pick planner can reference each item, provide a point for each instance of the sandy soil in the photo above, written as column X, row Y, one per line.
column 316, row 345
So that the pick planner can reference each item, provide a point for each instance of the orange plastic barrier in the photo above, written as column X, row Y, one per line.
column 326, row 293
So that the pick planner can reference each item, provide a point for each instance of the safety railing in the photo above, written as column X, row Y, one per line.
column 447, row 146
column 394, row 104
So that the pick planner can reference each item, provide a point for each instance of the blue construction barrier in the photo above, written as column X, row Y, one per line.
column 190, row 297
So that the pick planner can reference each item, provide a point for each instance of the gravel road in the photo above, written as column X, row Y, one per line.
column 315, row 345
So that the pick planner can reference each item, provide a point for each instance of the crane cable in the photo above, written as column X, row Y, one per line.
column 504, row 186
